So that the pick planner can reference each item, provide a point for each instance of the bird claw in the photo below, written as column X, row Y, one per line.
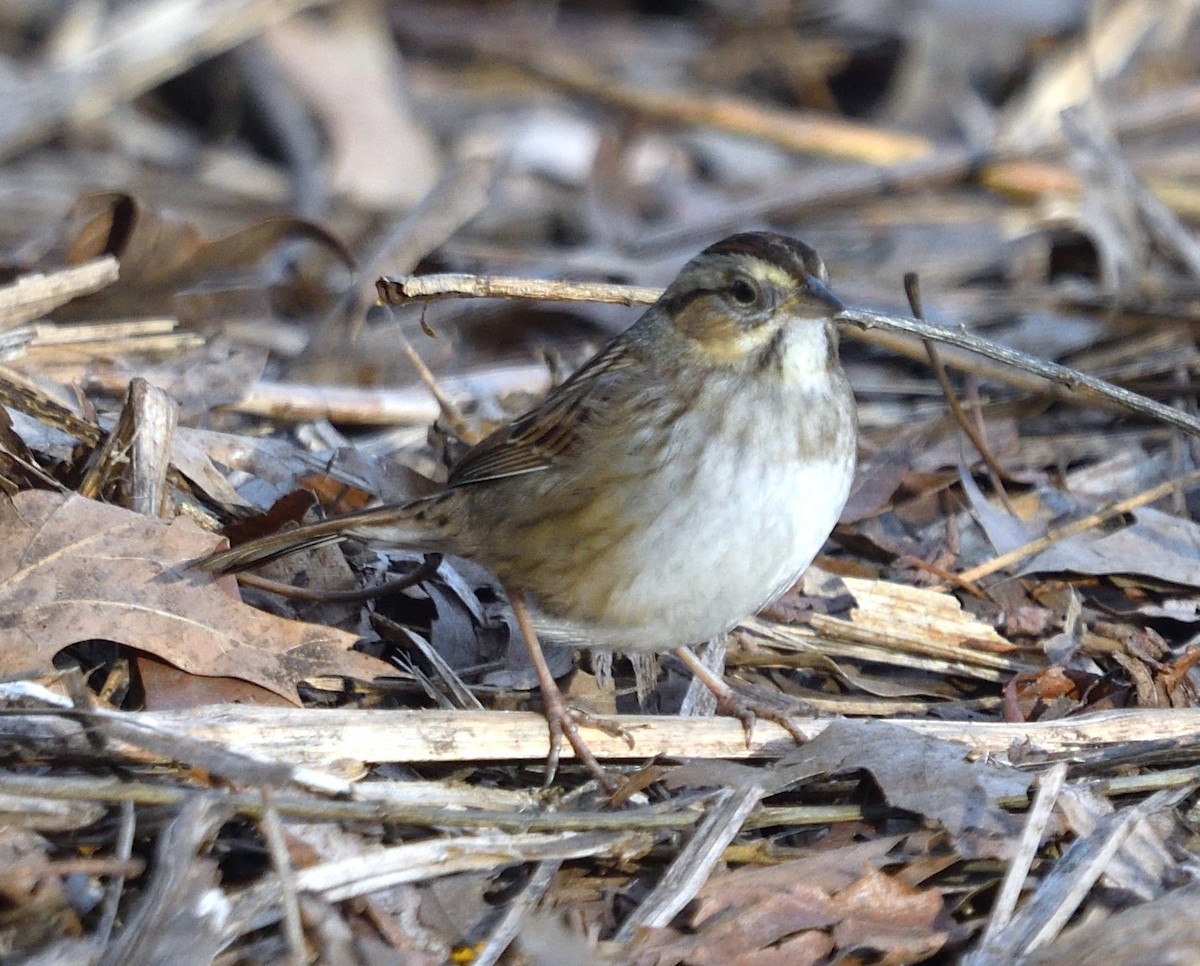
column 561, row 720
column 734, row 705
column 586, row 719
column 748, row 711
column 564, row 722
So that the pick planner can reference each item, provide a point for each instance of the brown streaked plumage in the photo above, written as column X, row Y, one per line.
column 678, row 481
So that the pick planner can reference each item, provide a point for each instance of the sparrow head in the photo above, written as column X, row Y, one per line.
column 756, row 299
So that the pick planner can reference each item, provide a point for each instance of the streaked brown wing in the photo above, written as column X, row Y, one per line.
column 533, row 442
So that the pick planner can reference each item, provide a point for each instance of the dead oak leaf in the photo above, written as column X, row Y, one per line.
column 898, row 922
column 769, row 915
column 168, row 266
column 77, row 570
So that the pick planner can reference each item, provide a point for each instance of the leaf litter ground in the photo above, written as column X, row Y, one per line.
column 994, row 660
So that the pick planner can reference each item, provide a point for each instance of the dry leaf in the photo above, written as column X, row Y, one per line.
column 162, row 257
column 883, row 914
column 1166, row 931
column 350, row 72
column 924, row 775
column 784, row 914
column 78, row 570
column 1156, row 545
column 167, row 688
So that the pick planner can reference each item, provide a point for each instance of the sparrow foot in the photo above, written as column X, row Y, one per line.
column 563, row 722
column 747, row 710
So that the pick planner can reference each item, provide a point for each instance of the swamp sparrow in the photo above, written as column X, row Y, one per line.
column 677, row 482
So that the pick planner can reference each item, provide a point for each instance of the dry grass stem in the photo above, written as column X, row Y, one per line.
column 1050, row 783
column 694, row 863
column 346, row 405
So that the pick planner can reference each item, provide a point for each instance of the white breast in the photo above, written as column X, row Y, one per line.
column 743, row 508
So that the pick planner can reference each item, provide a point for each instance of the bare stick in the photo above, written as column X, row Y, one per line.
column 377, row 407
column 396, row 290
column 400, row 289
column 453, row 415
column 1079, row 382
column 1050, row 783
column 32, row 296
column 272, row 832
column 460, row 194
column 695, row 862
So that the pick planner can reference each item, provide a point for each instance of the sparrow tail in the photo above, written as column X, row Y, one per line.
column 410, row 525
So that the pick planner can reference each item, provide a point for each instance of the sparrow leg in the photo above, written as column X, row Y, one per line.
column 563, row 721
column 729, row 702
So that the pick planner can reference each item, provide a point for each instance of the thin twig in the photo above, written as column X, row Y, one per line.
column 376, row 407
column 32, row 296
column 509, row 926
column 1050, row 783
column 694, row 863
column 1080, row 384
column 462, row 429
column 793, row 130
column 459, row 195
column 940, row 572
column 912, row 289
column 122, row 852
column 402, row 289
column 272, row 833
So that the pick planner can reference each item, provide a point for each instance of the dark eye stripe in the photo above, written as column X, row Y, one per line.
column 685, row 298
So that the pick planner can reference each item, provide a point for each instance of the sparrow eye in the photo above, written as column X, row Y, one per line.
column 743, row 291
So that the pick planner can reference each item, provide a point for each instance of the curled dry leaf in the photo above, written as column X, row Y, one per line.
column 898, row 922
column 161, row 257
column 77, row 570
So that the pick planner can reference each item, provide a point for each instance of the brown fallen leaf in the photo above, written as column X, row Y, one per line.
column 1056, row 691
column 798, row 912
column 1165, row 930
column 167, row 688
column 162, row 257
column 1158, row 545
column 899, row 922
column 380, row 153
column 78, row 570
